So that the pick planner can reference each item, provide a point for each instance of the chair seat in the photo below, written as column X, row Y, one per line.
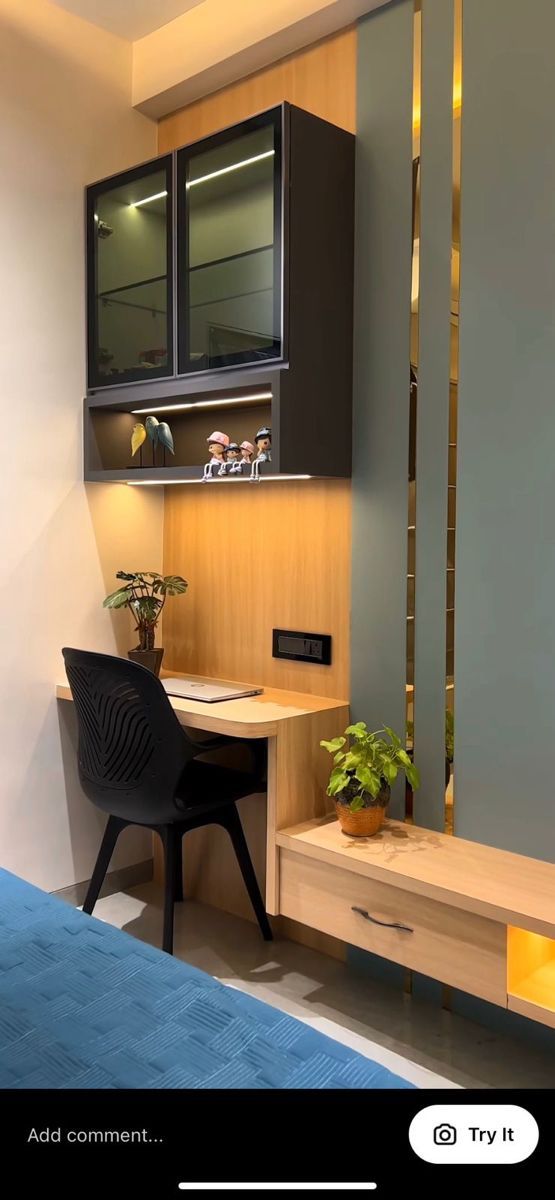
column 206, row 786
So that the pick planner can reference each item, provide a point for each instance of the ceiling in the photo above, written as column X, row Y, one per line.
column 130, row 19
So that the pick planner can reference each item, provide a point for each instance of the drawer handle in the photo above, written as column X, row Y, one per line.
column 386, row 924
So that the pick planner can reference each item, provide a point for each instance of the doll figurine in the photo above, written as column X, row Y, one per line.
column 263, row 441
column 232, row 465
column 217, row 446
column 247, row 451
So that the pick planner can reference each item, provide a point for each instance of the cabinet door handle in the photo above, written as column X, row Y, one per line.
column 386, row 924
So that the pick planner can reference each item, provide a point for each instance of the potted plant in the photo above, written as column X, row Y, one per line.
column 145, row 594
column 365, row 766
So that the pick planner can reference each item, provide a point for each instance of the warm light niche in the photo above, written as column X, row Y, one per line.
column 531, row 975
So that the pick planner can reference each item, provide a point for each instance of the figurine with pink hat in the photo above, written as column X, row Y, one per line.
column 217, row 446
column 247, row 451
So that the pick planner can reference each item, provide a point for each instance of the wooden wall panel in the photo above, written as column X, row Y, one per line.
column 258, row 557
column 280, row 554
column 321, row 79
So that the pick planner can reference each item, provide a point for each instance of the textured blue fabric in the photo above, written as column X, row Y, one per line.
column 84, row 1005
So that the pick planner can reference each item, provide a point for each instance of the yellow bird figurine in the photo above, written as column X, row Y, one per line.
column 137, row 438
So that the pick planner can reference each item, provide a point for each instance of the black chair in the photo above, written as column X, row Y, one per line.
column 137, row 763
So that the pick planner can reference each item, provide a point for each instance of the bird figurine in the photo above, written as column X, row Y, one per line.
column 138, row 436
column 152, row 426
column 165, row 438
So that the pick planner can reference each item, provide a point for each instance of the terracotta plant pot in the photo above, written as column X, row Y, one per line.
column 151, row 659
column 365, row 821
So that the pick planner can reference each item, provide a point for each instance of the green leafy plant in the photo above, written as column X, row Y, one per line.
column 365, row 766
column 449, row 734
column 145, row 594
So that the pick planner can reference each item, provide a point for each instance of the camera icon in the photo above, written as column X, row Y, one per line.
column 445, row 1135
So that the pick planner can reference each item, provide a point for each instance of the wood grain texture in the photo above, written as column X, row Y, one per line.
column 506, row 887
column 320, row 79
column 272, row 557
column 535, row 1012
column 298, row 771
column 250, row 717
column 279, row 557
column 457, row 948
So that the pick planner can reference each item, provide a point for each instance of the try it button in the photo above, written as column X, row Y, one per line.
column 473, row 1133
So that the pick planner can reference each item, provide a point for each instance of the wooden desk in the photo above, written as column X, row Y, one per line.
column 298, row 770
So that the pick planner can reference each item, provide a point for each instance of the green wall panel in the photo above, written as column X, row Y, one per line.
column 505, row 610
column 382, row 356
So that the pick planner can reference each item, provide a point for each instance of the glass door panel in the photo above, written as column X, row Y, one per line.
column 230, row 247
column 129, row 276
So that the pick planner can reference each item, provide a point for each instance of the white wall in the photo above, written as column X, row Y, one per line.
column 65, row 119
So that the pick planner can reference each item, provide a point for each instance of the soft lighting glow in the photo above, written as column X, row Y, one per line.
column 226, row 478
column 246, row 162
column 137, row 412
column 531, row 967
column 148, row 199
column 276, row 1187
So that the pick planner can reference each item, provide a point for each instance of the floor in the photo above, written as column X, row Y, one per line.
column 426, row 1045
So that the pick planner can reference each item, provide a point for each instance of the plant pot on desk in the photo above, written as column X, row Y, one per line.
column 364, row 821
column 151, row 659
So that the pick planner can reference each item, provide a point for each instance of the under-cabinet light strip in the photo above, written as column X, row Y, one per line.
column 246, row 162
column 148, row 199
column 137, row 412
column 181, row 482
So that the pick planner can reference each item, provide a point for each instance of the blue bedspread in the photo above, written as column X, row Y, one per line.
column 84, row 1005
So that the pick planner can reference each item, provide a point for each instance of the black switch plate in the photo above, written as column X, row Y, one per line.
column 302, row 647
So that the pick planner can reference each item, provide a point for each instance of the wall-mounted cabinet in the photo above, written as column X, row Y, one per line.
column 219, row 273
column 130, row 276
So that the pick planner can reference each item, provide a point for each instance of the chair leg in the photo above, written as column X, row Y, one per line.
column 231, row 821
column 107, row 846
column 169, row 836
column 178, row 893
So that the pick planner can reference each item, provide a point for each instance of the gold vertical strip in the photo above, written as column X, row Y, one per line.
column 413, row 385
column 453, row 418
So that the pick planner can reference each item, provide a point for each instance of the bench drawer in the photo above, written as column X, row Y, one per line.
column 458, row 948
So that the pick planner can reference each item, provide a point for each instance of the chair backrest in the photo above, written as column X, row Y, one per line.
column 132, row 749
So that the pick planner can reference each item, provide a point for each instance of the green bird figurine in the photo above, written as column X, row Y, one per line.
column 151, row 426
column 165, row 437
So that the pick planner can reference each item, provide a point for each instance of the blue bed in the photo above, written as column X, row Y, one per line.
column 83, row 1005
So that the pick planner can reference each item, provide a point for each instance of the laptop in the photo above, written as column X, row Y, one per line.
column 209, row 690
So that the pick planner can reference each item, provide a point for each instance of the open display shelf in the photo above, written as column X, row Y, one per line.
column 239, row 411
column 109, row 441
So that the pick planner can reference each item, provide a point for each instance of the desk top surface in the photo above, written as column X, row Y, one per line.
column 251, row 716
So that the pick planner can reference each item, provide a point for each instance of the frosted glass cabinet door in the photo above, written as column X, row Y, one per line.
column 230, row 246
column 129, row 271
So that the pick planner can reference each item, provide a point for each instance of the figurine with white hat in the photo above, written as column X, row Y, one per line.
column 263, row 441
column 217, row 446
